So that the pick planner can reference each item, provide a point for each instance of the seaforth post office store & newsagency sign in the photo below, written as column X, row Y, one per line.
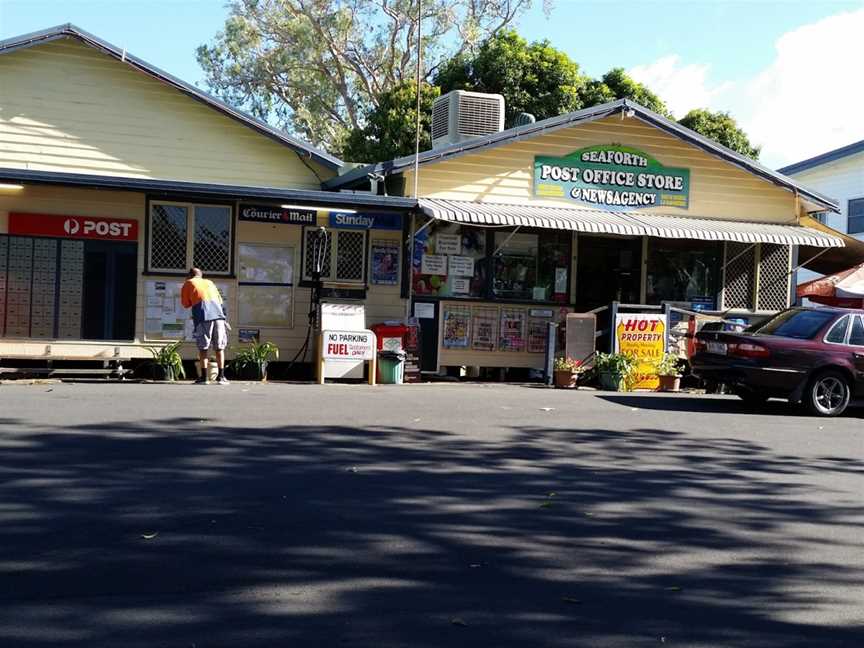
column 611, row 176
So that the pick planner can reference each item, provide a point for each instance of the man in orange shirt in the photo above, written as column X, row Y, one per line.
column 208, row 317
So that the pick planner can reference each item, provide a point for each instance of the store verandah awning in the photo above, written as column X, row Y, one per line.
column 627, row 223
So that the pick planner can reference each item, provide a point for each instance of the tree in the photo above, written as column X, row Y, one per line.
column 391, row 126
column 316, row 67
column 722, row 128
column 535, row 78
column 617, row 84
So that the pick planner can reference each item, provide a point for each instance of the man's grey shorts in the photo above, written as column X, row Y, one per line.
column 211, row 334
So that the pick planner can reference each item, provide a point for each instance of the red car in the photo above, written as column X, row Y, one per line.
column 809, row 355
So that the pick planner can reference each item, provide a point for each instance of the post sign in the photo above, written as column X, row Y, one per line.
column 612, row 177
column 76, row 227
column 348, row 345
column 271, row 214
column 644, row 336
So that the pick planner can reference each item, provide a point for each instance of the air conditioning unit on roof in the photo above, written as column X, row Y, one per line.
column 459, row 116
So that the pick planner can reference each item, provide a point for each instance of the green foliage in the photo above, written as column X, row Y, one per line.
column 316, row 67
column 621, row 364
column 617, row 84
column 257, row 355
column 391, row 126
column 535, row 78
column 572, row 365
column 669, row 365
column 722, row 128
column 169, row 358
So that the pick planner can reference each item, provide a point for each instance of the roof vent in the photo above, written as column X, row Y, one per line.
column 461, row 115
column 523, row 119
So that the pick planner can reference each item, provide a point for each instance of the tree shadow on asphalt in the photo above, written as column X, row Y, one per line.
column 336, row 536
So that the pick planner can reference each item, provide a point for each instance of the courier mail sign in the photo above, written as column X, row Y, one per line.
column 611, row 177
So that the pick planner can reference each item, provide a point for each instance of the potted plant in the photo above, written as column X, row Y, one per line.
column 615, row 370
column 167, row 362
column 251, row 362
column 566, row 372
column 669, row 372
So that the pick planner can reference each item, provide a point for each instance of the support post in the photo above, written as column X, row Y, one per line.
column 551, row 345
column 613, row 315
column 319, row 358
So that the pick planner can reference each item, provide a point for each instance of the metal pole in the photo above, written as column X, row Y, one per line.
column 419, row 56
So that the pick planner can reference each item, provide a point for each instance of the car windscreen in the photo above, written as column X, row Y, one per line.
column 800, row 324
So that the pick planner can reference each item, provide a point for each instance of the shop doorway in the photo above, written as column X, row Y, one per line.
column 607, row 269
column 110, row 276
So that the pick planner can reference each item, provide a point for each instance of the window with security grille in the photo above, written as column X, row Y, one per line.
column 346, row 247
column 168, row 237
column 312, row 252
column 183, row 235
column 350, row 255
column 774, row 277
column 212, row 244
column 739, row 275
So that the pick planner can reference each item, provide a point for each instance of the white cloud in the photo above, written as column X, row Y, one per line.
column 805, row 102
column 682, row 87
column 809, row 99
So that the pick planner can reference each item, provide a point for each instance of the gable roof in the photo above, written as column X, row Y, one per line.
column 71, row 31
column 824, row 158
column 586, row 115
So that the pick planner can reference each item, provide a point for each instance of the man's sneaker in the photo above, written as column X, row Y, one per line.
column 201, row 381
column 222, row 380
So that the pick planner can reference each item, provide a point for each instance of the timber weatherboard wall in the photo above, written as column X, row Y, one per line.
column 505, row 174
column 842, row 179
column 67, row 107
column 382, row 302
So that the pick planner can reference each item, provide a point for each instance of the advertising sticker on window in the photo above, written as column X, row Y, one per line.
column 457, row 321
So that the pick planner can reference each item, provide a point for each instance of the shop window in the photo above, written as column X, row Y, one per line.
column 855, row 213
column 681, row 270
column 531, row 267
column 449, row 260
column 344, row 259
column 183, row 235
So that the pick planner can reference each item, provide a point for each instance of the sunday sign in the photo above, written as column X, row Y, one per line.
column 611, row 176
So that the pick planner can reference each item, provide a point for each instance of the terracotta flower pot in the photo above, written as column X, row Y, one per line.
column 669, row 383
column 565, row 379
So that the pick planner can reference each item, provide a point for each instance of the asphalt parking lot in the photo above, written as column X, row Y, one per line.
column 420, row 516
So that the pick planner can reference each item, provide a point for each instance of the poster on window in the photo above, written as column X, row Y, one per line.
column 456, row 323
column 385, row 263
column 461, row 285
column 538, row 330
column 433, row 264
column 460, row 266
column 512, row 333
column 448, row 244
column 484, row 329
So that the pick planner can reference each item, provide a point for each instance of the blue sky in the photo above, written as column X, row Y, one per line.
column 722, row 55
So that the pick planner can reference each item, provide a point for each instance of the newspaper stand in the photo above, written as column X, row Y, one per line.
column 347, row 345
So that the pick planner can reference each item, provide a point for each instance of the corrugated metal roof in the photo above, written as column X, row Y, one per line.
column 597, row 221
column 824, row 158
column 199, row 189
column 71, row 31
column 580, row 117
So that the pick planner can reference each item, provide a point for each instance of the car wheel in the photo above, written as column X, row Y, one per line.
column 751, row 397
column 827, row 394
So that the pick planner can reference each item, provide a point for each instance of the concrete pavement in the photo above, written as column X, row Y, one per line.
column 420, row 516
